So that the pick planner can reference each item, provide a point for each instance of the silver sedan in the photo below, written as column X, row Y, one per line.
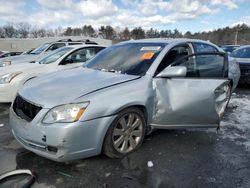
column 119, row 96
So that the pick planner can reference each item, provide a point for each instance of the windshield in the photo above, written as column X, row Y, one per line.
column 40, row 49
column 52, row 57
column 127, row 58
column 241, row 53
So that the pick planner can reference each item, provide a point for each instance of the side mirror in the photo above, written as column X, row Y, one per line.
column 173, row 72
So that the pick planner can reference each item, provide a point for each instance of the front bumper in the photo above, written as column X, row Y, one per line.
column 7, row 92
column 61, row 141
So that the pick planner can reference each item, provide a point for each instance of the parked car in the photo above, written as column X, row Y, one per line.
column 242, row 57
column 28, row 51
column 229, row 48
column 9, row 54
column 41, row 51
column 120, row 95
column 13, row 77
column 1, row 52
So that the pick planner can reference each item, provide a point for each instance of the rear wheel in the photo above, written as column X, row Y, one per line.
column 125, row 134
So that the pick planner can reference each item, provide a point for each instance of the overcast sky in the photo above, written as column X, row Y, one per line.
column 192, row 15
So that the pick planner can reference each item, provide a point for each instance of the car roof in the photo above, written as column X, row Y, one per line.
column 170, row 41
column 243, row 46
column 76, row 46
column 229, row 45
column 167, row 40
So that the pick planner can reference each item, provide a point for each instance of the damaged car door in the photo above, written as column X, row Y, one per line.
column 192, row 91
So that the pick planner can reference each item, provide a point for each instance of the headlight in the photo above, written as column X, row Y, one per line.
column 67, row 113
column 5, row 63
column 4, row 79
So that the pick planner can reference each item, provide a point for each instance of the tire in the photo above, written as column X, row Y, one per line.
column 126, row 133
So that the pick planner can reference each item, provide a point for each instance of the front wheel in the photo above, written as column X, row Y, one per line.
column 125, row 134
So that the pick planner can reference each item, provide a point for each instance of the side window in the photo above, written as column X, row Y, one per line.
column 173, row 55
column 55, row 46
column 203, row 47
column 203, row 66
column 80, row 56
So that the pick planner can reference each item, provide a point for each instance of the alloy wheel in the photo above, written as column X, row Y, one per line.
column 127, row 133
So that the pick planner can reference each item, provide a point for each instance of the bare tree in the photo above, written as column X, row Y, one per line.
column 2, row 33
column 42, row 33
column 58, row 31
column 23, row 29
column 9, row 31
column 50, row 33
column 34, row 33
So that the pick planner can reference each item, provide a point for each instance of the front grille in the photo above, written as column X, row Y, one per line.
column 245, row 68
column 24, row 109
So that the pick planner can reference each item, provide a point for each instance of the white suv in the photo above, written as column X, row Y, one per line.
column 41, row 51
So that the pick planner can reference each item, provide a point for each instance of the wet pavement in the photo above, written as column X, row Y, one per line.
column 180, row 158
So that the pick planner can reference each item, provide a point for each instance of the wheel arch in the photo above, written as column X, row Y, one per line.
column 140, row 107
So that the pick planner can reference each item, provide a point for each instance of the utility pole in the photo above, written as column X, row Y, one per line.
column 236, row 36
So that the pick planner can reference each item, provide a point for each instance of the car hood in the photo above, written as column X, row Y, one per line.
column 18, row 68
column 20, row 58
column 67, row 86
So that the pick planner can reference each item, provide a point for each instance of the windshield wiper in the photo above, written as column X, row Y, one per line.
column 111, row 70
column 107, row 70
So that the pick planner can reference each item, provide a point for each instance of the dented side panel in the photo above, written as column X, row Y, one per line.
column 185, row 101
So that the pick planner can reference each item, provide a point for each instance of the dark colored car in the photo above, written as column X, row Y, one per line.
column 242, row 56
column 230, row 48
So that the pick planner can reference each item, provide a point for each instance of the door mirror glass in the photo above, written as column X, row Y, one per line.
column 170, row 72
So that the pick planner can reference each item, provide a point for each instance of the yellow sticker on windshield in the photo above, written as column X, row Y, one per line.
column 147, row 55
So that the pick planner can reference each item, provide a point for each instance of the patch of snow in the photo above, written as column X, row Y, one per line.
column 150, row 164
column 235, row 125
